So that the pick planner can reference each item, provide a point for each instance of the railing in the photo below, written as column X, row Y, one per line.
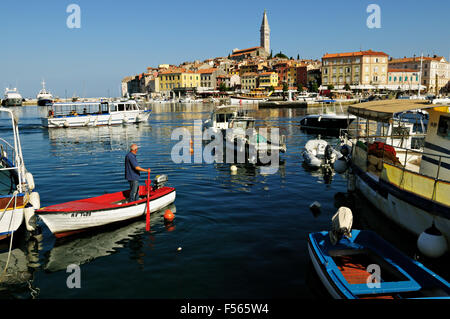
column 7, row 151
column 430, row 186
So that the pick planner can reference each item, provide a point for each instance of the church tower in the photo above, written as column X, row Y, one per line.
column 265, row 33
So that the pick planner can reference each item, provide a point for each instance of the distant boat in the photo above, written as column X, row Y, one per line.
column 87, row 114
column 253, row 97
column 12, row 98
column 44, row 97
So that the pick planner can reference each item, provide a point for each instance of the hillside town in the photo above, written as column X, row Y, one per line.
column 361, row 72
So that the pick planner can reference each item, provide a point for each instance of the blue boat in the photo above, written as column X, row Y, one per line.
column 362, row 265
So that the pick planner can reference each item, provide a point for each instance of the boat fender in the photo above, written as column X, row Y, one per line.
column 30, row 218
column 341, row 224
column 66, row 124
column 340, row 166
column 35, row 200
column 432, row 243
column 30, row 180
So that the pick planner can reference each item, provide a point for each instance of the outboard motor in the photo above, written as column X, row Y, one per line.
column 341, row 225
column 328, row 154
column 345, row 151
column 160, row 181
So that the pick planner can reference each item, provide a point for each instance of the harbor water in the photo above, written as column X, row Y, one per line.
column 239, row 234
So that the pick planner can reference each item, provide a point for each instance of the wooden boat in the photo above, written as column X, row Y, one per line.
column 85, row 214
column 17, row 199
column 361, row 265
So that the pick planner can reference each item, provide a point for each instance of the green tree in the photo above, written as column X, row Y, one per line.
column 347, row 87
column 281, row 55
column 330, row 87
column 222, row 87
column 300, row 88
column 314, row 87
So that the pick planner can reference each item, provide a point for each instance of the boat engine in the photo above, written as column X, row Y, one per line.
column 160, row 181
column 341, row 225
column 329, row 154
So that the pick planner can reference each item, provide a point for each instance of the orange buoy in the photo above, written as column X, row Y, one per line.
column 191, row 150
column 168, row 216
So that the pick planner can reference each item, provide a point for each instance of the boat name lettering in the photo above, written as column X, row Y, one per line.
column 81, row 214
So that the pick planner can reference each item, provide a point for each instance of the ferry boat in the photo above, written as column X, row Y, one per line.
column 410, row 185
column 12, row 98
column 84, row 114
column 17, row 199
column 90, row 213
column 44, row 97
column 255, row 96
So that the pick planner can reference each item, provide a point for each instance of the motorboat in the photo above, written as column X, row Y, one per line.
column 12, row 98
column 85, row 114
column 408, row 184
column 250, row 143
column 90, row 213
column 221, row 116
column 318, row 153
column 18, row 201
column 253, row 97
column 326, row 122
column 359, row 264
column 44, row 97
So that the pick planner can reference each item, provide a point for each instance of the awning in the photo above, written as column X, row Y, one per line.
column 384, row 110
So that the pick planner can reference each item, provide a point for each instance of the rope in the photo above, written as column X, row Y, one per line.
column 12, row 233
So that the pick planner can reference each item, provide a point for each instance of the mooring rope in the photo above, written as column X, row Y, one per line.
column 12, row 232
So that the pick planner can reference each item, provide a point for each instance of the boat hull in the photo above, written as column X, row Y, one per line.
column 410, row 213
column 44, row 102
column 240, row 101
column 12, row 102
column 66, row 223
column 115, row 118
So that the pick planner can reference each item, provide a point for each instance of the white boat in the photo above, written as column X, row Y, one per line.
column 221, row 116
column 44, row 97
column 89, row 213
column 410, row 186
column 17, row 199
column 442, row 100
column 86, row 114
column 249, row 143
column 240, row 100
column 12, row 98
column 318, row 153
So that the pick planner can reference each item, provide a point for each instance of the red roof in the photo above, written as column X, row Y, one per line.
column 402, row 70
column 350, row 54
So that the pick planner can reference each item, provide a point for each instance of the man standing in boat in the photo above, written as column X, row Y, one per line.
column 132, row 174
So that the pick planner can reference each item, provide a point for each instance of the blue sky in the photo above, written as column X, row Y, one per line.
column 120, row 38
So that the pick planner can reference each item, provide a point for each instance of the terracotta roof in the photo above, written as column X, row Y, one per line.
column 416, row 59
column 267, row 73
column 402, row 70
column 246, row 50
column 349, row 54
column 249, row 74
column 210, row 70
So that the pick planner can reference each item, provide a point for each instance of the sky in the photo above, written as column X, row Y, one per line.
column 122, row 38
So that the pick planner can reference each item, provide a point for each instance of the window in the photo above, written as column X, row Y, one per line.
column 443, row 127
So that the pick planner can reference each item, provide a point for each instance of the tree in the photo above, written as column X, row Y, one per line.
column 298, row 56
column 300, row 88
column 314, row 87
column 281, row 55
column 222, row 87
column 330, row 87
column 347, row 87
column 271, row 55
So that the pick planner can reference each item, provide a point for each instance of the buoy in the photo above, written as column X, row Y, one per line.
column 30, row 218
column 340, row 166
column 179, row 248
column 168, row 216
column 233, row 168
column 315, row 208
column 432, row 243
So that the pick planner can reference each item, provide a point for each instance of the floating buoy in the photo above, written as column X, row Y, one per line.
column 233, row 168
column 179, row 248
column 315, row 208
column 168, row 216
column 432, row 243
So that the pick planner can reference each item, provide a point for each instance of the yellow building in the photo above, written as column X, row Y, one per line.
column 268, row 79
column 249, row 81
column 365, row 69
column 177, row 79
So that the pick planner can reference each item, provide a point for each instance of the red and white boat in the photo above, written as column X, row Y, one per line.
column 85, row 214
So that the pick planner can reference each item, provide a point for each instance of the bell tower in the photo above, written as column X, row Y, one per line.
column 265, row 34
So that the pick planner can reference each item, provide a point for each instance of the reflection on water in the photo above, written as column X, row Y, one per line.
column 232, row 228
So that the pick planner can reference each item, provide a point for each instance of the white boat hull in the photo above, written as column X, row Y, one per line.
column 64, row 222
column 115, row 118
column 10, row 221
column 237, row 101
column 410, row 217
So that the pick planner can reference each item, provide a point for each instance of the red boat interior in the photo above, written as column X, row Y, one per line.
column 112, row 200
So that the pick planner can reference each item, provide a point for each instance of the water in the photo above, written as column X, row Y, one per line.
column 237, row 235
